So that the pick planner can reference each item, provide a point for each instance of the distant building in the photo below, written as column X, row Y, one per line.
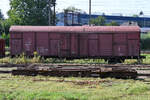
column 145, row 30
column 129, row 23
column 78, row 19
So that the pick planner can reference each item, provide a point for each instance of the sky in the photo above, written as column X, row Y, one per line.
column 125, row 7
column 4, row 6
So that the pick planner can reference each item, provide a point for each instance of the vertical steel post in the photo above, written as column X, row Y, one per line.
column 54, row 13
column 49, row 12
column 89, row 12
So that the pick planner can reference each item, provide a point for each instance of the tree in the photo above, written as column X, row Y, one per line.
column 1, row 22
column 1, row 27
column 135, row 15
column 72, row 9
column 141, row 13
column 99, row 21
column 113, row 23
column 1, row 15
column 30, row 12
column 6, row 25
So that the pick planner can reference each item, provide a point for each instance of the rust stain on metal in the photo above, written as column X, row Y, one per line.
column 76, row 41
column 75, row 29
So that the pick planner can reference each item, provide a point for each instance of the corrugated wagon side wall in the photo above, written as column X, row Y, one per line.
column 16, row 43
column 76, row 44
column 2, row 47
column 134, row 44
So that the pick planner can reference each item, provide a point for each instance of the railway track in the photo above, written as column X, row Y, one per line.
column 79, row 70
column 145, row 52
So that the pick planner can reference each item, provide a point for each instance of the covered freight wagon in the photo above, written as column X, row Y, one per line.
column 112, row 43
column 2, row 48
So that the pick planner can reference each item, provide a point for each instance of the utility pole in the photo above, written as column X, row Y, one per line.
column 54, row 22
column 89, row 12
column 49, row 12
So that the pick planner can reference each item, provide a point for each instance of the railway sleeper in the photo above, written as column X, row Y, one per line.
column 114, row 73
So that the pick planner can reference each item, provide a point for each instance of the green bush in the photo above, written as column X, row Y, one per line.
column 145, row 41
column 6, row 38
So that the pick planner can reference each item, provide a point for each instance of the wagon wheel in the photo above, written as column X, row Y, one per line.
column 114, row 61
column 139, row 61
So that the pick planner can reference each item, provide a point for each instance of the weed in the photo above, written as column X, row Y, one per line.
column 24, row 88
column 23, row 59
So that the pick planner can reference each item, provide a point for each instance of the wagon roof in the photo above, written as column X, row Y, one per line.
column 76, row 29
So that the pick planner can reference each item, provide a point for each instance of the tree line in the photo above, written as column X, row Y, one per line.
column 35, row 12
column 28, row 12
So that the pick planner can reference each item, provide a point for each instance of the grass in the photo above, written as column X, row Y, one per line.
column 22, row 59
column 59, row 88
column 54, row 88
column 144, row 61
column 37, row 59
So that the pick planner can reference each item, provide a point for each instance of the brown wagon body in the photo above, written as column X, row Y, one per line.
column 2, row 48
column 107, row 42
